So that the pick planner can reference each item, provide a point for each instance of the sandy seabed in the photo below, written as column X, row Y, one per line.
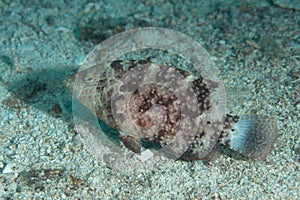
column 256, row 48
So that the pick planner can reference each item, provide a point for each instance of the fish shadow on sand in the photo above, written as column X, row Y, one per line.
column 42, row 88
column 45, row 90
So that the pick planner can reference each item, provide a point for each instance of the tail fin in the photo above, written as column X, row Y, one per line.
column 251, row 135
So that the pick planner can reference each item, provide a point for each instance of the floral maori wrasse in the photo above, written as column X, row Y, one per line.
column 170, row 108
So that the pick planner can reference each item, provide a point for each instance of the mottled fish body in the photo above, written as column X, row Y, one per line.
column 165, row 112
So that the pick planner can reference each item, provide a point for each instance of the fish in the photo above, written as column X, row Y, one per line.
column 171, row 108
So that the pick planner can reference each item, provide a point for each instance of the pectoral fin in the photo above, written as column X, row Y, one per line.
column 132, row 143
